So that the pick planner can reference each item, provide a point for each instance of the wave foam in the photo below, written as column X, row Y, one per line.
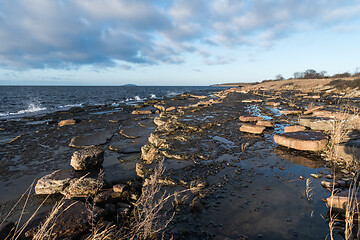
column 32, row 107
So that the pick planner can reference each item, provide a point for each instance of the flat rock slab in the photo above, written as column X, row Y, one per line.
column 313, row 109
column 66, row 122
column 317, row 123
column 304, row 141
column 272, row 104
column 296, row 128
column 264, row 123
column 290, row 112
column 252, row 129
column 250, row 118
column 95, row 139
column 54, row 182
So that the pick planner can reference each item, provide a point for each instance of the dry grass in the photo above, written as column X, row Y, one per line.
column 149, row 218
column 308, row 190
column 339, row 132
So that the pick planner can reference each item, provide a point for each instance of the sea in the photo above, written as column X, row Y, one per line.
column 23, row 101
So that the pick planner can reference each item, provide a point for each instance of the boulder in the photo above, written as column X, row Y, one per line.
column 252, row 129
column 296, row 128
column 305, row 140
column 87, row 158
column 83, row 187
column 66, row 122
column 54, row 182
column 250, row 118
column 264, row 123
column 71, row 219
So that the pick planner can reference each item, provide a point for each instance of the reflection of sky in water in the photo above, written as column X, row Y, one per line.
column 255, row 111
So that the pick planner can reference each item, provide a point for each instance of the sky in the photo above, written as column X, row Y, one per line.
column 174, row 42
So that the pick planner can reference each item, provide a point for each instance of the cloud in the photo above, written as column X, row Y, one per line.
column 121, row 33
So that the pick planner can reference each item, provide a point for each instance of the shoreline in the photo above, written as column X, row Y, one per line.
column 244, row 177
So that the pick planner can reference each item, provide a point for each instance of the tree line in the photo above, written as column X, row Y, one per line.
column 313, row 74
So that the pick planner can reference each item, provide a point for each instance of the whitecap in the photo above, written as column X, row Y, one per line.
column 152, row 96
column 171, row 94
column 137, row 98
column 71, row 105
column 31, row 108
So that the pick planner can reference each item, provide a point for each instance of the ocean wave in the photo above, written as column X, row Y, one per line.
column 137, row 98
column 71, row 105
column 32, row 107
column 153, row 96
column 172, row 94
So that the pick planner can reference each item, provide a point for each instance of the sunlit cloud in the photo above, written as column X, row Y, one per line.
column 67, row 34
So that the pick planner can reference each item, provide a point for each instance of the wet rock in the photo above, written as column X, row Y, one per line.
column 66, row 122
column 83, row 187
column 329, row 185
column 317, row 123
column 296, row 128
column 316, row 176
column 264, row 123
column 71, row 220
column 250, row 118
column 340, row 200
column 87, row 158
column 305, row 141
column 88, row 140
column 54, row 182
column 252, row 129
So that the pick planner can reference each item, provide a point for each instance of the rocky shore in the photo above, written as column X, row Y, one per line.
column 243, row 163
